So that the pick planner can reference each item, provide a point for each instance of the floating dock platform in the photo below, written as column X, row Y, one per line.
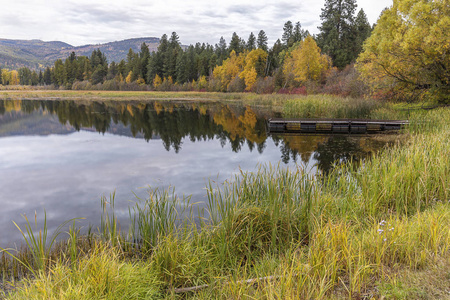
column 333, row 126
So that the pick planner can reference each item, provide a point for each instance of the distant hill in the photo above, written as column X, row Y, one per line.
column 37, row 54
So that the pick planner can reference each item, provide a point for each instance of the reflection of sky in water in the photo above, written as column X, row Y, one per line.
column 67, row 174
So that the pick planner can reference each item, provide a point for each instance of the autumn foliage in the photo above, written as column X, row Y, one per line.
column 407, row 55
column 306, row 62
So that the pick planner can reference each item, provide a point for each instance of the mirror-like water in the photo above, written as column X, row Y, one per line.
column 62, row 156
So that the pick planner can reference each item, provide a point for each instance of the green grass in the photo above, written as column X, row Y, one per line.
column 374, row 230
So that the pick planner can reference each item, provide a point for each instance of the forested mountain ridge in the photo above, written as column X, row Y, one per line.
column 36, row 54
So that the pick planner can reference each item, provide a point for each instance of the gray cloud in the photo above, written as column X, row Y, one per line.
column 94, row 21
column 104, row 15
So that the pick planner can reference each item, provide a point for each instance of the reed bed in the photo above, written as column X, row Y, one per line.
column 374, row 230
column 327, row 106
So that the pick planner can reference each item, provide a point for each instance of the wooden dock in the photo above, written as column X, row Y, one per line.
column 333, row 126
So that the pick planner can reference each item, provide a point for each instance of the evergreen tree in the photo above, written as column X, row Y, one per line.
column 287, row 34
column 59, row 73
column 251, row 42
column 235, row 44
column 170, row 62
column 47, row 76
column 157, row 61
column 112, row 71
column 79, row 64
column 273, row 61
column 24, row 76
column 192, row 72
column 87, row 69
column 299, row 33
column 144, row 57
column 262, row 40
column 337, row 34
column 99, row 65
column 34, row 78
column 181, row 68
column 132, row 65
column 121, row 68
column 70, row 66
column 41, row 77
column 363, row 30
column 221, row 50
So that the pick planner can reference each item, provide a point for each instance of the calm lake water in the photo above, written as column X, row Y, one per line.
column 63, row 156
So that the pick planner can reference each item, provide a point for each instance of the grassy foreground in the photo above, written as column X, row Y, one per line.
column 379, row 230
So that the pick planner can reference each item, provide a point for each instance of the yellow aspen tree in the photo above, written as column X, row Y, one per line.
column 157, row 81
column 306, row 63
column 202, row 82
column 140, row 81
column 129, row 77
column 6, row 76
column 249, row 77
column 14, row 78
column 230, row 68
column 255, row 62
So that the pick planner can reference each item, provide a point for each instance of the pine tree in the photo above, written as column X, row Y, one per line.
column 98, row 65
column 299, row 33
column 59, row 73
column 34, row 78
column 251, row 42
column 41, row 77
column 144, row 57
column 235, row 44
column 221, row 50
column 337, row 34
column 47, row 76
column 112, row 71
column 121, row 68
column 170, row 63
column 132, row 65
column 287, row 34
column 181, row 68
column 363, row 30
column 262, row 40
column 157, row 61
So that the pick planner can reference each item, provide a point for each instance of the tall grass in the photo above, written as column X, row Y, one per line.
column 99, row 275
column 156, row 217
column 326, row 106
column 261, row 212
column 39, row 244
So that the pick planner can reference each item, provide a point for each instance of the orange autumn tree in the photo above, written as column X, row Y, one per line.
column 306, row 62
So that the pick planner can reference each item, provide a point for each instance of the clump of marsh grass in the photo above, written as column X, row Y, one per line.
column 156, row 217
column 99, row 275
column 326, row 106
column 261, row 212
column 39, row 244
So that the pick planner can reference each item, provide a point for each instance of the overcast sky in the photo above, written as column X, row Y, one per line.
column 80, row 22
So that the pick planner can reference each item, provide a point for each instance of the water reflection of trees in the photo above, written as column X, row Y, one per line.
column 168, row 121
column 172, row 122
